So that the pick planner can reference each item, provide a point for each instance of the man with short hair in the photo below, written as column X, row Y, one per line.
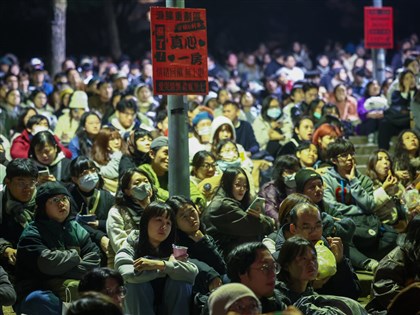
column 305, row 221
column 244, row 133
column 253, row 265
column 126, row 116
column 17, row 207
column 101, row 102
column 310, row 93
column 351, row 193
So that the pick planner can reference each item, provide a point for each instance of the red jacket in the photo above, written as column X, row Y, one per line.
column 20, row 146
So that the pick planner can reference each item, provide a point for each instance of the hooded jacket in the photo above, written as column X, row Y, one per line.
column 48, row 249
column 20, row 146
column 350, row 198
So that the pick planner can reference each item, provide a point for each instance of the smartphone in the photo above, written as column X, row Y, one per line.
column 258, row 204
column 44, row 173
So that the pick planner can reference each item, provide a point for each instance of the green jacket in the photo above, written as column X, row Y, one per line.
column 163, row 194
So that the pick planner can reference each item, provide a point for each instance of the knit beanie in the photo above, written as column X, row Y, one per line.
column 303, row 176
column 223, row 297
column 47, row 191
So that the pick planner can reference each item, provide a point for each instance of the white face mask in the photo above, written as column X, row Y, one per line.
column 89, row 181
column 289, row 181
column 38, row 128
column 204, row 131
column 229, row 156
column 141, row 191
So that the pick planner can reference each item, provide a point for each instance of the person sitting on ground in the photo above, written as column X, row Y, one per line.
column 18, row 208
column 104, row 280
column 398, row 269
column 53, row 251
column 157, row 171
column 48, row 157
column 307, row 154
column 88, row 129
column 282, row 184
column 7, row 292
column 202, row 248
column 252, row 265
column 351, row 193
column 305, row 220
column 323, row 136
column 126, row 117
column 92, row 303
column 310, row 184
column 298, row 268
column 158, row 281
column 201, row 137
column 90, row 202
column 21, row 144
column 135, row 193
column 107, row 150
column 228, row 218
column 407, row 158
column 388, row 190
column 138, row 147
column 233, row 297
column 304, row 128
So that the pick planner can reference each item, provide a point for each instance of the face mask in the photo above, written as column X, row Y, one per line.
column 37, row 129
column 274, row 113
column 205, row 131
column 89, row 181
column 229, row 156
column 141, row 191
column 223, row 165
column 289, row 181
column 317, row 115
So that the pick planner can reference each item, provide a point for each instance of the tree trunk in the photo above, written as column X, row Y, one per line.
column 114, row 38
column 58, row 35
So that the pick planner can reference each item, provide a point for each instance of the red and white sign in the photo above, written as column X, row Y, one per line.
column 379, row 28
column 179, row 51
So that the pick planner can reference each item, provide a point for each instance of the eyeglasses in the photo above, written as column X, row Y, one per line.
column 310, row 229
column 59, row 199
column 267, row 268
column 120, row 291
column 26, row 184
column 240, row 186
column 345, row 156
column 208, row 165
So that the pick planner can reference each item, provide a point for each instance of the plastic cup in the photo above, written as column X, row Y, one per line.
column 179, row 251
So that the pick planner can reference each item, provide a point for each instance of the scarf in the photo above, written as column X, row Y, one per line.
column 23, row 213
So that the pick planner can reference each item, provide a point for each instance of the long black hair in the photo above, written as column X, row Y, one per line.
column 81, row 133
column 144, row 247
column 227, row 181
column 124, row 183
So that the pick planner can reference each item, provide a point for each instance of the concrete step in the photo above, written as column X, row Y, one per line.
column 365, row 149
column 365, row 279
column 362, row 159
column 358, row 139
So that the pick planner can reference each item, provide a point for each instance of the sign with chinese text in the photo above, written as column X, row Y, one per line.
column 379, row 28
column 179, row 51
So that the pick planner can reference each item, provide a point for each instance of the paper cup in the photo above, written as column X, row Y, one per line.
column 179, row 251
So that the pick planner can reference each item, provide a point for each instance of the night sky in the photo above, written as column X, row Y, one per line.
column 233, row 25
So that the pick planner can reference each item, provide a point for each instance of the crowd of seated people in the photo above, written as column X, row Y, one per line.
column 279, row 217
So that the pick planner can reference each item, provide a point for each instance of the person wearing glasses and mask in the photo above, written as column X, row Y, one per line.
column 253, row 265
column 351, row 193
column 54, row 252
column 17, row 207
column 90, row 202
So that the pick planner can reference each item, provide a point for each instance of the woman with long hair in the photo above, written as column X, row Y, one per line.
column 88, row 129
column 388, row 190
column 282, row 184
column 191, row 233
column 228, row 218
column 138, row 147
column 135, row 192
column 407, row 157
column 158, row 280
column 203, row 173
column 107, row 150
column 298, row 269
column 90, row 202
